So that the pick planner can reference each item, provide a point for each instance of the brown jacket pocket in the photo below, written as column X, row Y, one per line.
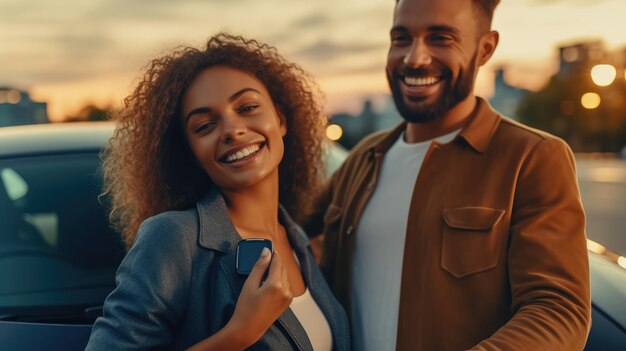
column 470, row 243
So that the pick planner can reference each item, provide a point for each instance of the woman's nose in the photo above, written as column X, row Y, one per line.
column 233, row 128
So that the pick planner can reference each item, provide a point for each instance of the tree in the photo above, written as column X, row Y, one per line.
column 557, row 108
column 92, row 112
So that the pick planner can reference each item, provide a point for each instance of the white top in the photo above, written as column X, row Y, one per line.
column 379, row 251
column 312, row 319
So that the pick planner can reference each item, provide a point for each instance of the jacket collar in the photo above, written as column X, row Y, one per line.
column 481, row 127
column 477, row 133
column 214, row 218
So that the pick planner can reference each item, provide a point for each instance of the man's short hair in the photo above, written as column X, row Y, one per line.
column 487, row 8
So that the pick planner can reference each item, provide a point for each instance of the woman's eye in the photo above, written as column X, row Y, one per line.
column 204, row 126
column 248, row 108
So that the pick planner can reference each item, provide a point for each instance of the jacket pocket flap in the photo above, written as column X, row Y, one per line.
column 333, row 213
column 472, row 218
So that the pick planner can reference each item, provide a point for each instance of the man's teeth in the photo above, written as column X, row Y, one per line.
column 242, row 153
column 414, row 81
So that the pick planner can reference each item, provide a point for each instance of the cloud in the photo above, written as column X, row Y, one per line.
column 376, row 67
column 311, row 21
column 569, row 2
column 327, row 50
column 148, row 10
column 81, row 43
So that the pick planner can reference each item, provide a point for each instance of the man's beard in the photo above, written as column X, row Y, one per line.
column 449, row 96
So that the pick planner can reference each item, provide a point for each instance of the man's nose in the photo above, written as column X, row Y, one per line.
column 233, row 128
column 419, row 55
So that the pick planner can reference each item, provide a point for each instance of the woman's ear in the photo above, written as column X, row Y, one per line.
column 282, row 119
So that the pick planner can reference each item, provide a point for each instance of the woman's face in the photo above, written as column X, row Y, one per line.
column 233, row 127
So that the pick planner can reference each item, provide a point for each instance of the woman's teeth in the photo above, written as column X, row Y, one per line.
column 242, row 153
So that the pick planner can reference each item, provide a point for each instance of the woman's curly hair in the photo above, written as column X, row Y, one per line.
column 148, row 165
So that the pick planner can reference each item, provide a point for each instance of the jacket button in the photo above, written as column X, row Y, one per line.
column 349, row 231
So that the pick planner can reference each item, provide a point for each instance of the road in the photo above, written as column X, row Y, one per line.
column 603, row 191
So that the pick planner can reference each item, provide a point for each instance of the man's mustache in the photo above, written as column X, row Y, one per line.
column 423, row 72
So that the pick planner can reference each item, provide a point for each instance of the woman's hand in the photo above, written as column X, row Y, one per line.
column 261, row 302
column 258, row 307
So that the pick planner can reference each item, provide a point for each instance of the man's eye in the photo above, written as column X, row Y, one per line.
column 248, row 108
column 441, row 38
column 400, row 38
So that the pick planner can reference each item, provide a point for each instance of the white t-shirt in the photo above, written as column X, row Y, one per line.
column 379, row 250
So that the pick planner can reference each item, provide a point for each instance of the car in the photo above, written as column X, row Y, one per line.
column 608, row 299
column 58, row 254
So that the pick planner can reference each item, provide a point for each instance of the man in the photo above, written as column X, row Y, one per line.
column 460, row 229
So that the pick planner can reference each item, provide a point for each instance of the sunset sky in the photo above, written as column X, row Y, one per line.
column 70, row 52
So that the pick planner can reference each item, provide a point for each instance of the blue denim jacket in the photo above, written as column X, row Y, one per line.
column 178, row 285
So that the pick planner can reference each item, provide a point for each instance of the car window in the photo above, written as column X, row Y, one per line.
column 54, row 232
column 15, row 185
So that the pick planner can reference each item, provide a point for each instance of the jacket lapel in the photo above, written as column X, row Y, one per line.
column 218, row 233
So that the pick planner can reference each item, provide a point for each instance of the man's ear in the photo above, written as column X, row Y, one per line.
column 487, row 46
column 282, row 120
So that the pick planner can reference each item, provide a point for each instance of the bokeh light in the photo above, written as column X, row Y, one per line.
column 603, row 75
column 590, row 101
column 595, row 247
column 334, row 132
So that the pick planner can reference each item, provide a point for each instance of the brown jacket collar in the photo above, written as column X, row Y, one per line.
column 477, row 133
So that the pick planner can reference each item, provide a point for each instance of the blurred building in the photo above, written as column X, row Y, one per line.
column 572, row 57
column 582, row 56
column 17, row 108
column 389, row 115
column 506, row 98
column 355, row 127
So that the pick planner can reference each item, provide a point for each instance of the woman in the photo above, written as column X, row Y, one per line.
column 206, row 147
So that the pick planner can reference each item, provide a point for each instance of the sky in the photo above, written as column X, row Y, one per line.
column 70, row 53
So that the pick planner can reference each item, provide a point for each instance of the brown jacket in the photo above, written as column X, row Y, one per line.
column 495, row 255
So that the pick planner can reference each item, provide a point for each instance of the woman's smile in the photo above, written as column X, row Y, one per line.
column 240, row 155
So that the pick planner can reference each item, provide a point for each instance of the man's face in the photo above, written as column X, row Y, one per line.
column 431, row 65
